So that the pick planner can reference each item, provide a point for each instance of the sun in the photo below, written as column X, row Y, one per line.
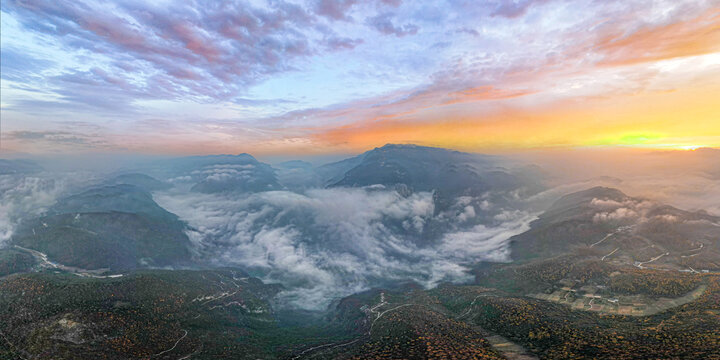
column 689, row 147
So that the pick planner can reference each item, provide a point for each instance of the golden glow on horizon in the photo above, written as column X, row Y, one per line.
column 690, row 147
column 633, row 83
column 654, row 89
column 680, row 119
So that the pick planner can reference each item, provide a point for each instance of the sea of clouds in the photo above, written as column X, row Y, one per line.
column 323, row 244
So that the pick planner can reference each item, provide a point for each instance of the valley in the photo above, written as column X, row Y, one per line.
column 109, row 272
column 359, row 180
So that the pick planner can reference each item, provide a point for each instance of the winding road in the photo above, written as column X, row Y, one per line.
column 603, row 258
column 174, row 346
column 640, row 264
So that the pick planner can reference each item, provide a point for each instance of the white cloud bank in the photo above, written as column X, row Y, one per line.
column 328, row 243
column 21, row 196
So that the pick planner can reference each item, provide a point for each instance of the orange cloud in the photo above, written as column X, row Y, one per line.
column 484, row 93
column 700, row 35
column 683, row 117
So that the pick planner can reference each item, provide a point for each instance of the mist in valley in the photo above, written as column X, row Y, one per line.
column 327, row 231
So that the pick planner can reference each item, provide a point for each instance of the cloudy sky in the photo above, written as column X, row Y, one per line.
column 338, row 76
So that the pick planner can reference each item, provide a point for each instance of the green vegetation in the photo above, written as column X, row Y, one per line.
column 113, row 240
column 452, row 322
column 654, row 283
column 417, row 332
column 554, row 331
column 15, row 261
column 116, row 227
column 226, row 314
column 538, row 305
column 544, row 275
column 211, row 313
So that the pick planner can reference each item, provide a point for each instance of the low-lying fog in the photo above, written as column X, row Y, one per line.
column 323, row 239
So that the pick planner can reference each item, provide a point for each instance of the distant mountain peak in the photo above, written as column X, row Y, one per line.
column 389, row 147
column 295, row 164
column 405, row 146
column 600, row 191
column 583, row 196
column 224, row 157
column 146, row 182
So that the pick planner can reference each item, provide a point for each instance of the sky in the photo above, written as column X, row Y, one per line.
column 342, row 76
